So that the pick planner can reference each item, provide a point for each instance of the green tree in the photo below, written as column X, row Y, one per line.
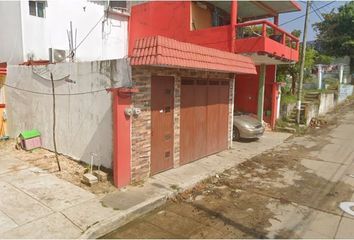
column 294, row 69
column 335, row 34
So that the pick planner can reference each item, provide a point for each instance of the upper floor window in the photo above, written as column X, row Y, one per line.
column 37, row 8
column 118, row 4
column 204, row 14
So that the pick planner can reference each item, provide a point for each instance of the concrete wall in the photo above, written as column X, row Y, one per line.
column 11, row 32
column 84, row 121
column 286, row 109
column 311, row 111
column 327, row 103
column 344, row 91
column 26, row 35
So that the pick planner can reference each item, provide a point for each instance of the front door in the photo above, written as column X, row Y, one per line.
column 161, row 123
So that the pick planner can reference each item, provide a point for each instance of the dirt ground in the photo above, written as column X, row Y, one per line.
column 71, row 170
column 249, row 200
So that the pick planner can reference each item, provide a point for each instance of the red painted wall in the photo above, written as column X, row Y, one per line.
column 121, row 139
column 172, row 19
column 246, row 93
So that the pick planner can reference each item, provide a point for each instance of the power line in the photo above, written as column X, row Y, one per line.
column 320, row 11
column 89, row 33
column 86, row 36
column 50, row 94
column 292, row 20
column 318, row 15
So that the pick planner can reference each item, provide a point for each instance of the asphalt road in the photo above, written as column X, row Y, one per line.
column 292, row 191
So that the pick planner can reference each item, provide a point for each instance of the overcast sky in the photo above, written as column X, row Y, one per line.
column 299, row 23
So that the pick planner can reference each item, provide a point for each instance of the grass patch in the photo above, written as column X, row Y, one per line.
column 288, row 99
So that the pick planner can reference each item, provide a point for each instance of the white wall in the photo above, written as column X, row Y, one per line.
column 326, row 103
column 10, row 32
column 84, row 122
column 344, row 91
column 108, row 40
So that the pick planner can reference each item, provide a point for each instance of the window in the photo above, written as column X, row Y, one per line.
column 37, row 8
column 118, row 4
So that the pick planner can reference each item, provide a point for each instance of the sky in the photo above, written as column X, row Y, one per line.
column 299, row 24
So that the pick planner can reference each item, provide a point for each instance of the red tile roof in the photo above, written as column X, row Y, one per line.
column 162, row 51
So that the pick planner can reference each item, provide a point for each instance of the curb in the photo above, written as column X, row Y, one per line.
column 109, row 224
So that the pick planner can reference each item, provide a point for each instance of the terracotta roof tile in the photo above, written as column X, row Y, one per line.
column 162, row 51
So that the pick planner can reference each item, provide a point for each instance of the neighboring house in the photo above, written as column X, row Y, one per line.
column 29, row 29
column 234, row 26
column 99, row 41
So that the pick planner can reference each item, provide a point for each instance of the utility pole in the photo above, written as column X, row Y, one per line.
column 302, row 65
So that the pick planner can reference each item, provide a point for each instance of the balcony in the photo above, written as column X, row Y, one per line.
column 266, row 43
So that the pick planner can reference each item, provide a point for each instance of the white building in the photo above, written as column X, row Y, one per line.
column 29, row 29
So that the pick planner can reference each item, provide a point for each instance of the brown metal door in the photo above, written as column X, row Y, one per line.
column 224, row 89
column 187, row 135
column 161, row 123
column 200, row 118
column 213, row 111
column 204, row 118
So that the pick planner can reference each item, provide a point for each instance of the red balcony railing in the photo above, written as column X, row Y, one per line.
column 265, row 37
column 264, row 28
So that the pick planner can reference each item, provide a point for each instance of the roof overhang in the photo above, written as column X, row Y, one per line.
column 259, row 9
column 166, row 52
column 269, row 59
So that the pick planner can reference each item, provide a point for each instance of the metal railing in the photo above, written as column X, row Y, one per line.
column 264, row 28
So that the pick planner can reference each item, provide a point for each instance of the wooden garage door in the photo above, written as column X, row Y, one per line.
column 204, row 118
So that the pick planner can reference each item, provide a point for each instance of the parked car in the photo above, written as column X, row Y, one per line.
column 246, row 126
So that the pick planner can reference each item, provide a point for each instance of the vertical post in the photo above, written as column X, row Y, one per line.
column 233, row 22
column 262, row 71
column 341, row 71
column 276, row 20
column 302, row 65
column 319, row 75
column 283, row 38
column 278, row 101
column 121, row 139
column 264, row 30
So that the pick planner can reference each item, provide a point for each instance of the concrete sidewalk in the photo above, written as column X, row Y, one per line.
column 36, row 204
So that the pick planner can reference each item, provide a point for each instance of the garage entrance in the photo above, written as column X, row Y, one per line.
column 161, row 123
column 204, row 118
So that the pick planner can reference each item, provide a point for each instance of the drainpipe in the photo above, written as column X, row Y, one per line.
column 262, row 71
column 233, row 22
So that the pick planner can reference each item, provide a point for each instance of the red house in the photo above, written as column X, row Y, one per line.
column 235, row 26
column 193, row 65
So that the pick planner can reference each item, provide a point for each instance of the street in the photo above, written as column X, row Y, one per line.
column 292, row 191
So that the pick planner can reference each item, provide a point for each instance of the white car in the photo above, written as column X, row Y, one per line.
column 246, row 126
